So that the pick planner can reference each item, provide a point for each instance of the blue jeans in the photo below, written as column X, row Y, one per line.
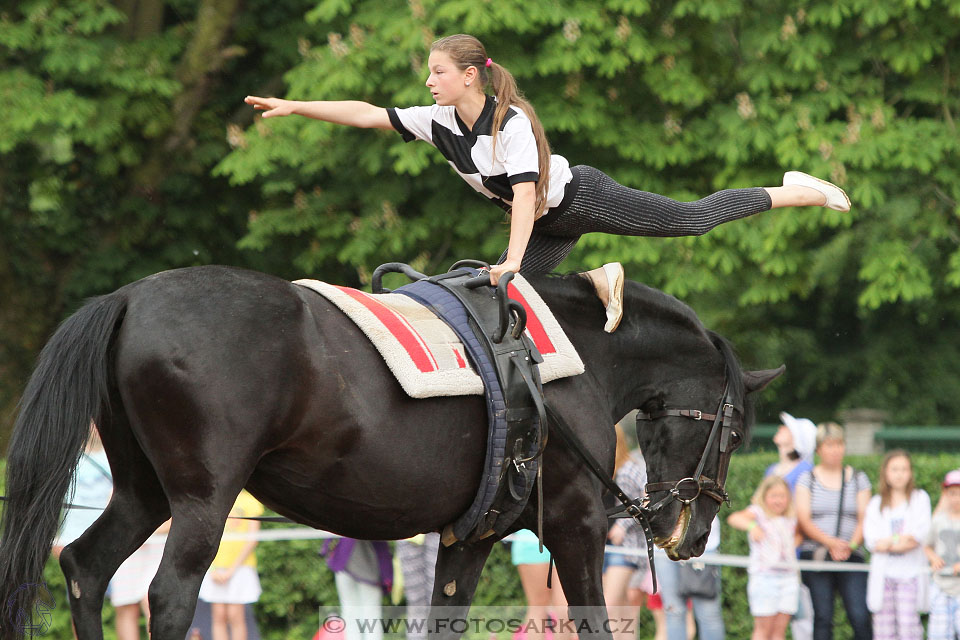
column 706, row 611
column 853, row 591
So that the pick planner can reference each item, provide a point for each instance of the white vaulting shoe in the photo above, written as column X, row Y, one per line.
column 615, row 278
column 836, row 197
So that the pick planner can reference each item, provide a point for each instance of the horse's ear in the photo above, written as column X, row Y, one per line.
column 758, row 380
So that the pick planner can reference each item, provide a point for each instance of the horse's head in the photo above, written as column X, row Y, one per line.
column 688, row 386
column 688, row 429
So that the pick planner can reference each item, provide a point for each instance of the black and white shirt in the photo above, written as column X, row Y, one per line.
column 470, row 151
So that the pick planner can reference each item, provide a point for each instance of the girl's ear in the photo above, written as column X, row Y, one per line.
column 470, row 75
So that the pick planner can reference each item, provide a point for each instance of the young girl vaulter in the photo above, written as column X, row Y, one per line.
column 497, row 145
column 773, row 586
column 895, row 527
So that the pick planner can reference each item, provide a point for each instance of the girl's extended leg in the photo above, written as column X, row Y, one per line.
column 600, row 204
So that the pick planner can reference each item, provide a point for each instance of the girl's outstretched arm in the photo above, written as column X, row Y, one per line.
column 352, row 113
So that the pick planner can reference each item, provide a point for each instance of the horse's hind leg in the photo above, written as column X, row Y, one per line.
column 458, row 572
column 137, row 507
column 195, row 533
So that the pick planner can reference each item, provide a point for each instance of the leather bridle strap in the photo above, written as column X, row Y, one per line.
column 632, row 508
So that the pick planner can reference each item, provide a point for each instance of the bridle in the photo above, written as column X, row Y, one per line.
column 726, row 420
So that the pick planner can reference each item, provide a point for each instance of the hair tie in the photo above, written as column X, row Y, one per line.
column 489, row 61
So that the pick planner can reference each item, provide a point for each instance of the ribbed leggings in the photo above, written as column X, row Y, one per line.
column 600, row 204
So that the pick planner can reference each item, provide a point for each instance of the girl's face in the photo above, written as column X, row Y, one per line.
column 446, row 81
column 831, row 452
column 783, row 439
column 951, row 499
column 777, row 499
column 899, row 473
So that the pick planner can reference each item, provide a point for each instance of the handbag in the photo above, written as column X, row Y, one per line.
column 698, row 580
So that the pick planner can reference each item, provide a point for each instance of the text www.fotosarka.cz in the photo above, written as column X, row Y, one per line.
column 480, row 621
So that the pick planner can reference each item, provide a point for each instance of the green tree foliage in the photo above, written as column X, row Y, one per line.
column 121, row 118
column 681, row 98
column 116, row 113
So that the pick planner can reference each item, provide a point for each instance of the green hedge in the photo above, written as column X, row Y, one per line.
column 296, row 581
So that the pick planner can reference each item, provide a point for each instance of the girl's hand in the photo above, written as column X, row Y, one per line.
column 756, row 534
column 498, row 270
column 271, row 107
column 839, row 549
column 883, row 545
column 956, row 569
column 936, row 562
column 222, row 576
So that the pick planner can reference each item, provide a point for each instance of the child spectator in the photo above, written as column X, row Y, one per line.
column 896, row 525
column 773, row 586
column 943, row 551
column 232, row 581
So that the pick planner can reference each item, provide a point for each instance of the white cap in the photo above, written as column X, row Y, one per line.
column 804, row 434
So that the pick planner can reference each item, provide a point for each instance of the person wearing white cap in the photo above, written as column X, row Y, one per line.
column 796, row 440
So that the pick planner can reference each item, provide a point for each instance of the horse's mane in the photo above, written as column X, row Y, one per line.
column 573, row 294
column 574, row 291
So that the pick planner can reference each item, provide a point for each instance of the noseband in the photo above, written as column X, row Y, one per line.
column 688, row 489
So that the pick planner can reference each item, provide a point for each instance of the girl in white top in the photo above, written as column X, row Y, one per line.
column 895, row 527
column 494, row 140
column 773, row 587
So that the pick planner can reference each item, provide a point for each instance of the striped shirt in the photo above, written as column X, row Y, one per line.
column 824, row 503
column 632, row 478
column 470, row 151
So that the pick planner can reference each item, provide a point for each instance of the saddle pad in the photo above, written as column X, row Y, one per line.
column 426, row 356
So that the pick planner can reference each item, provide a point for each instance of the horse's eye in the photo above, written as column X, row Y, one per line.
column 735, row 440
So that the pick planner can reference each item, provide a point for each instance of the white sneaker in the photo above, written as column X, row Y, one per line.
column 615, row 278
column 836, row 197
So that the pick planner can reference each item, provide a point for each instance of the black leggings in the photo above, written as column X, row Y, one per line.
column 599, row 204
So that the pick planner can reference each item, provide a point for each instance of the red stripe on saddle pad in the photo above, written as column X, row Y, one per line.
column 408, row 338
column 534, row 326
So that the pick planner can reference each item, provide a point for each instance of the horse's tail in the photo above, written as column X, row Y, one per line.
column 69, row 387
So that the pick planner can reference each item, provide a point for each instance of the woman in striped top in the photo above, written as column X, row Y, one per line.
column 832, row 527
column 496, row 143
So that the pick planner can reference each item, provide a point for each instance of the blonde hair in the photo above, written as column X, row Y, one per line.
column 828, row 431
column 466, row 51
column 623, row 449
column 760, row 495
column 883, row 486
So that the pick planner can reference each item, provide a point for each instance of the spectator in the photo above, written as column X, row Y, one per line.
column 630, row 471
column 896, row 525
column 363, row 571
column 795, row 440
column 942, row 549
column 418, row 563
column 232, row 581
column 543, row 604
column 706, row 608
column 130, row 584
column 773, row 585
column 831, row 502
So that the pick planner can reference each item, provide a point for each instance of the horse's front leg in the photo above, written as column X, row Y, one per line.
column 458, row 572
column 576, row 533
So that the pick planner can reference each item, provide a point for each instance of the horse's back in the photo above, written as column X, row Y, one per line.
column 244, row 371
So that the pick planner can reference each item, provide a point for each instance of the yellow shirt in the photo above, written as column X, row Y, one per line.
column 230, row 550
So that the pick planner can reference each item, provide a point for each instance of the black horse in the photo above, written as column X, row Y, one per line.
column 207, row 380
